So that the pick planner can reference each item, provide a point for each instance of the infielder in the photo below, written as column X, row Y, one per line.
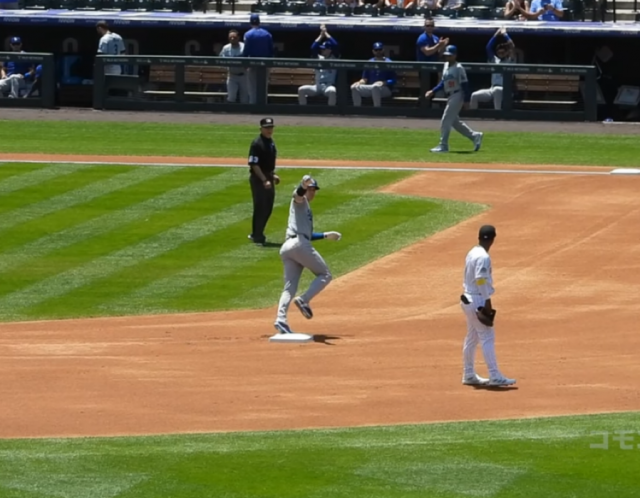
column 478, row 308
column 110, row 44
column 236, row 77
column 456, row 87
column 297, row 253
column 497, row 53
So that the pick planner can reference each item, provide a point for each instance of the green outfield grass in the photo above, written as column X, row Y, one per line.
column 535, row 458
column 300, row 142
column 79, row 240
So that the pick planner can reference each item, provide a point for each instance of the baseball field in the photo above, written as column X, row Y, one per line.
column 134, row 359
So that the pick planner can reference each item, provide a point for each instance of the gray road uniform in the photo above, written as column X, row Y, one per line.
column 454, row 81
column 297, row 253
column 237, row 83
column 324, row 85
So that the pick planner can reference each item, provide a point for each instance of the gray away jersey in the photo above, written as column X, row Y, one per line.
column 300, row 219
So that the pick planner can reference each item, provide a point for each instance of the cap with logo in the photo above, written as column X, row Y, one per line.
column 487, row 232
column 15, row 40
column 255, row 18
column 314, row 185
column 378, row 46
column 451, row 50
column 324, row 46
column 267, row 123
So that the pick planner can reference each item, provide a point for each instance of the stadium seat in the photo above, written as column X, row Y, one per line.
column 497, row 13
column 71, row 4
column 344, row 10
column 92, row 5
column 482, row 3
column 476, row 12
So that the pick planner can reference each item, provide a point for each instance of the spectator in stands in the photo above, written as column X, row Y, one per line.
column 110, row 44
column 375, row 83
column 403, row 4
column 545, row 10
column 9, row 5
column 432, row 5
column 16, row 76
column 258, row 42
column 455, row 4
column 516, row 9
column 236, row 77
column 323, row 47
column 499, row 51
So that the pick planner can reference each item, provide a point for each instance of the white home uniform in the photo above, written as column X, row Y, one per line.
column 111, row 44
column 478, row 288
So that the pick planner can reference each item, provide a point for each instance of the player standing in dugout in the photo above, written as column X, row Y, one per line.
column 262, row 164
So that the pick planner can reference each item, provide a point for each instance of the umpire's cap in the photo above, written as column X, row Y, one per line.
column 15, row 41
column 451, row 50
column 487, row 232
column 267, row 123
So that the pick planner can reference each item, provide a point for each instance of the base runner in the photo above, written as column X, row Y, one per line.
column 297, row 253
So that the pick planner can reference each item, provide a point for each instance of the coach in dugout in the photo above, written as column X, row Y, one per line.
column 258, row 42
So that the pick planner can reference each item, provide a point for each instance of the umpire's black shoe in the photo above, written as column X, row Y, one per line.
column 258, row 242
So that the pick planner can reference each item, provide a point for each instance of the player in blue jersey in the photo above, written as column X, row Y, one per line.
column 258, row 42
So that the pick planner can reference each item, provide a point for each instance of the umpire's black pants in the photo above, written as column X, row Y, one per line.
column 263, row 199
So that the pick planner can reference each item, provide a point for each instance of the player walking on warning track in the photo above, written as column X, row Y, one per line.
column 297, row 253
column 478, row 308
column 456, row 87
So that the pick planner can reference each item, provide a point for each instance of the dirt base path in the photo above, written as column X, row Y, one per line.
column 567, row 269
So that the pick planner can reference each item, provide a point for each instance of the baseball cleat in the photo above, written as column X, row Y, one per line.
column 477, row 141
column 304, row 308
column 475, row 380
column 502, row 381
column 440, row 148
column 283, row 328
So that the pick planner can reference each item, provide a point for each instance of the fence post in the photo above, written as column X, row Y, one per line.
column 508, row 89
column 98, row 83
column 344, row 90
column 180, row 70
column 48, row 86
column 591, row 95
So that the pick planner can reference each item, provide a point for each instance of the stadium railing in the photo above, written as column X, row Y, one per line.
column 44, row 87
column 167, row 83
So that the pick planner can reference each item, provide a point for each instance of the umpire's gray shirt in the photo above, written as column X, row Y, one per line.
column 300, row 219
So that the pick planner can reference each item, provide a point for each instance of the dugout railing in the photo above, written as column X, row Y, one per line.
column 197, row 84
column 38, row 92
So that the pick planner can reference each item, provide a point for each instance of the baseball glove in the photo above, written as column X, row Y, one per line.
column 486, row 318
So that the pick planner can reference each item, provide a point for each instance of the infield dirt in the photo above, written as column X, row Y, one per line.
column 389, row 335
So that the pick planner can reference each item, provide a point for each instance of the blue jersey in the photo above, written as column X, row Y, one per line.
column 12, row 67
column 373, row 75
column 330, row 43
column 547, row 15
column 258, row 42
column 425, row 40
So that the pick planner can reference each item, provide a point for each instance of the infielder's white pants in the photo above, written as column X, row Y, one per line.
column 377, row 93
column 11, row 84
column 298, row 254
column 495, row 93
column 315, row 90
column 237, row 87
column 450, row 119
column 477, row 332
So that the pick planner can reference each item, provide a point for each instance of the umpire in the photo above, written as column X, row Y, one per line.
column 262, row 164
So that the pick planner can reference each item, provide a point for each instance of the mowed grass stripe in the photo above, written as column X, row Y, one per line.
column 423, row 218
column 154, row 297
column 79, row 196
column 38, row 176
column 109, row 222
column 83, row 275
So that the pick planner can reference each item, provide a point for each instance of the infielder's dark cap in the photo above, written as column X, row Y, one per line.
column 487, row 232
column 267, row 123
column 16, row 41
column 314, row 185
